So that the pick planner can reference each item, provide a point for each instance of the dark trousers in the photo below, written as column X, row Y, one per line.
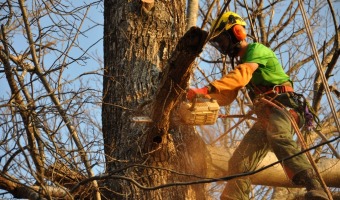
column 273, row 131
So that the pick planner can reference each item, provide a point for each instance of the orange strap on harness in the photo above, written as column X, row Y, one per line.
column 277, row 89
column 282, row 89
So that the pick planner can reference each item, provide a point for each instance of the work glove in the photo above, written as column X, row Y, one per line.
column 196, row 92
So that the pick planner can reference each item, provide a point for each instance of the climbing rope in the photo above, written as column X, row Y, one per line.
column 302, row 141
column 318, row 64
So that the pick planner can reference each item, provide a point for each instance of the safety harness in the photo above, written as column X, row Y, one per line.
column 302, row 105
column 268, row 97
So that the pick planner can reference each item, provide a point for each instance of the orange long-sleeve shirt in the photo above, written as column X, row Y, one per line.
column 226, row 89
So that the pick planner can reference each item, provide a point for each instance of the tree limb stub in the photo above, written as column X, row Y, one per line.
column 174, row 82
column 18, row 190
column 273, row 176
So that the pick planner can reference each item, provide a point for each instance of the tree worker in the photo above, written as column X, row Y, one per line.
column 261, row 73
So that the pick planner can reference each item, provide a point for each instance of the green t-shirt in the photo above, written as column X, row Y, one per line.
column 270, row 71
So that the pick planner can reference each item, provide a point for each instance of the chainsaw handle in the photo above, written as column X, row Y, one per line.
column 194, row 101
column 199, row 99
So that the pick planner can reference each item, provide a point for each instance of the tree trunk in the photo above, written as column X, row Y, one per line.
column 139, row 39
column 192, row 13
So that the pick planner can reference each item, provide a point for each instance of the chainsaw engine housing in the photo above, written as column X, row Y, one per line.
column 199, row 112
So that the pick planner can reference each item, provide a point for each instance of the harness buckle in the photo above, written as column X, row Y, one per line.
column 276, row 90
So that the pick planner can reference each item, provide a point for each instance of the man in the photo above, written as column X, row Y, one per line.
column 262, row 74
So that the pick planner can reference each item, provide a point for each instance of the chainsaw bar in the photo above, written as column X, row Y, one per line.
column 142, row 119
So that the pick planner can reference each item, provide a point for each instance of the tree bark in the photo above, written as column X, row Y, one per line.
column 192, row 13
column 140, row 78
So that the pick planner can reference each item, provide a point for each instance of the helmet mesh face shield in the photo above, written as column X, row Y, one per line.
column 222, row 43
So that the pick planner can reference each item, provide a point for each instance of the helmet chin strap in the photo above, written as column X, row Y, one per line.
column 232, row 61
column 234, row 49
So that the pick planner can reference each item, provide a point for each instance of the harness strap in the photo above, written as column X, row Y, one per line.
column 277, row 89
column 283, row 88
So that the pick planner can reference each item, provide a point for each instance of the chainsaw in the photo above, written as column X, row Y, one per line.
column 200, row 111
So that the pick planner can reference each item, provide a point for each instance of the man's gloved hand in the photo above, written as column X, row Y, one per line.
column 193, row 92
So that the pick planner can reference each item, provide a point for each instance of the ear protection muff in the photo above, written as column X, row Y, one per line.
column 239, row 32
